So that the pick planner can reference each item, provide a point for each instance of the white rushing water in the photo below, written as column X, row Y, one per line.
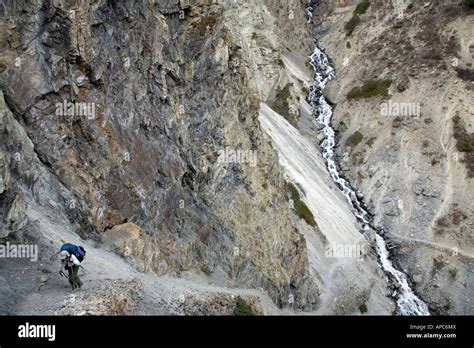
column 408, row 303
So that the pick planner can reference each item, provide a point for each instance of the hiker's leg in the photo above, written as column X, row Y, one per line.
column 70, row 273
column 76, row 280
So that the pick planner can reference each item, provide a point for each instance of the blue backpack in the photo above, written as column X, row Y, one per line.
column 78, row 251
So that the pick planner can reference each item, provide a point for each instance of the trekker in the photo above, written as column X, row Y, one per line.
column 71, row 258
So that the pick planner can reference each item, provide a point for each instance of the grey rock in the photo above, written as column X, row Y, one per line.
column 138, row 63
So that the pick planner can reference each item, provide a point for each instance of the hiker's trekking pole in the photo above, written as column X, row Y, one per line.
column 63, row 275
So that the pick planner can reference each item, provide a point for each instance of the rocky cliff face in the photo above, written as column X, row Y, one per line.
column 121, row 122
column 407, row 145
column 161, row 135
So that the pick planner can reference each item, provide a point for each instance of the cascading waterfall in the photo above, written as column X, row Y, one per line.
column 408, row 303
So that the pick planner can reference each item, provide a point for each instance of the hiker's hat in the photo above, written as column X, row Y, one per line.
column 64, row 254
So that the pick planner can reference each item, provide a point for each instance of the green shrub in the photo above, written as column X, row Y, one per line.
column 362, row 7
column 301, row 210
column 464, row 140
column 295, row 195
column 206, row 270
column 354, row 139
column 409, row 47
column 350, row 26
column 465, row 74
column 469, row 3
column 363, row 308
column 304, row 213
column 456, row 118
column 464, row 143
column 243, row 308
column 466, row 147
column 370, row 88
column 457, row 217
column 447, row 306
column 398, row 24
column 281, row 106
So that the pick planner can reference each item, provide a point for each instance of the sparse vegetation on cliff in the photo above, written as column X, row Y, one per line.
column 281, row 106
column 370, row 88
column 360, row 9
column 243, row 308
column 354, row 139
column 465, row 74
column 464, row 143
column 398, row 24
column 300, row 207
column 350, row 26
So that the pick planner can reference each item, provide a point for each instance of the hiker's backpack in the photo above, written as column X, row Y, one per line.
column 77, row 250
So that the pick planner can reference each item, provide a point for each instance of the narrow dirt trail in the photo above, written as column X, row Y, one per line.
column 434, row 245
column 40, row 290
